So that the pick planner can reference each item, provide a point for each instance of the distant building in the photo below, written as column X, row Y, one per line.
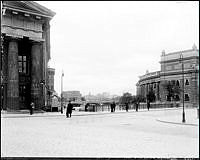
column 100, row 97
column 71, row 96
column 171, row 70
column 50, row 85
column 25, row 52
column 50, row 78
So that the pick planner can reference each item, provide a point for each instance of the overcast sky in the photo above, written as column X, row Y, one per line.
column 103, row 46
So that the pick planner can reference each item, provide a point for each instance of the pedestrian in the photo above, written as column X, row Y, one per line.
column 69, row 109
column 126, row 106
column 32, row 106
column 114, row 105
column 86, row 107
column 111, row 106
column 148, row 104
column 137, row 104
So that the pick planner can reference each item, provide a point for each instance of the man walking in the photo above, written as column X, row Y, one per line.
column 148, row 104
column 111, row 107
column 114, row 105
column 137, row 105
column 69, row 109
column 126, row 106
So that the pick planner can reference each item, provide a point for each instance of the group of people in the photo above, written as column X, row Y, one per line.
column 70, row 107
column 112, row 106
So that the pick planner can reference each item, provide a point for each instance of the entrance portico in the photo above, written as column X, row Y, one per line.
column 25, row 53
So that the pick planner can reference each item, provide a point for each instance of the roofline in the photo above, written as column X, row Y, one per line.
column 25, row 11
column 189, row 50
column 34, row 6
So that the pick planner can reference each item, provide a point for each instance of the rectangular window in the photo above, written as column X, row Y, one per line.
column 187, row 98
column 22, row 64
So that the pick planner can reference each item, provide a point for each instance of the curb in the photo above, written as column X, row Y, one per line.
column 35, row 115
column 190, row 124
column 25, row 115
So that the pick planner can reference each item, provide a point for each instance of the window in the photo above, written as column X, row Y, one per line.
column 187, row 98
column 22, row 92
column 173, row 82
column 22, row 64
column 177, row 98
column 177, row 83
column 187, row 82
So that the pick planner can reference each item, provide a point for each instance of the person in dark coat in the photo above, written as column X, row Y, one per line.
column 126, row 107
column 32, row 106
column 69, row 109
column 86, row 107
column 111, row 106
column 137, row 105
column 114, row 105
column 148, row 105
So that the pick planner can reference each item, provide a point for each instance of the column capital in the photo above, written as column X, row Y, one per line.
column 11, row 37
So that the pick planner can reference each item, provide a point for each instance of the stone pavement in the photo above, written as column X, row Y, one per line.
column 189, row 115
column 191, row 118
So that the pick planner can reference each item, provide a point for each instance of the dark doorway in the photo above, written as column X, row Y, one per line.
column 24, row 96
column 24, row 59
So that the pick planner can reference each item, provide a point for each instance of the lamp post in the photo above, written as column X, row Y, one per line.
column 181, row 59
column 61, row 101
column 48, row 91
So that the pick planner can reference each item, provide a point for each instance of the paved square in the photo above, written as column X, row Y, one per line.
column 120, row 134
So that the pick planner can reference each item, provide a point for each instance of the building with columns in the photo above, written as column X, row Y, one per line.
column 175, row 67
column 50, row 85
column 25, row 52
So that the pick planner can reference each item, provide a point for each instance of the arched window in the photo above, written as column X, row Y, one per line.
column 187, row 82
column 177, row 83
column 187, row 98
column 177, row 98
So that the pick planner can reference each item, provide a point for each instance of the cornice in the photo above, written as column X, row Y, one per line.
column 29, row 8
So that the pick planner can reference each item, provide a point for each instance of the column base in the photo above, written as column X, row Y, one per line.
column 13, row 103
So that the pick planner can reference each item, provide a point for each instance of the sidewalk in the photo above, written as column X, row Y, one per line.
column 26, row 113
column 191, row 118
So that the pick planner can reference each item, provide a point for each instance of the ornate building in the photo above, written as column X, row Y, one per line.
column 25, row 52
column 50, row 85
column 175, row 67
column 72, row 96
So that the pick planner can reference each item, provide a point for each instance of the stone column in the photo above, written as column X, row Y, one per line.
column 162, row 91
column 13, row 76
column 146, row 89
column 36, row 75
column 158, row 90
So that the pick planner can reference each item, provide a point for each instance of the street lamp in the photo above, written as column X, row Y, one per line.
column 181, row 60
column 61, row 101
column 48, row 91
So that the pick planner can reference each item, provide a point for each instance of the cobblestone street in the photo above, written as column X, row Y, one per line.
column 120, row 134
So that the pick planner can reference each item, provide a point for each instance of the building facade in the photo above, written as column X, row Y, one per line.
column 50, row 79
column 50, row 86
column 175, row 67
column 71, row 96
column 25, row 52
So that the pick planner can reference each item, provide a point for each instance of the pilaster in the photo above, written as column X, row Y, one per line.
column 36, row 74
column 13, row 76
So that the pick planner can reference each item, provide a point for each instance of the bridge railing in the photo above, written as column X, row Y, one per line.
column 120, row 107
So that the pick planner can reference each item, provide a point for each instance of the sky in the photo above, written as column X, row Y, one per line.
column 104, row 46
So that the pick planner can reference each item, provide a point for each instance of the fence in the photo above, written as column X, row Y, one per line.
column 120, row 107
